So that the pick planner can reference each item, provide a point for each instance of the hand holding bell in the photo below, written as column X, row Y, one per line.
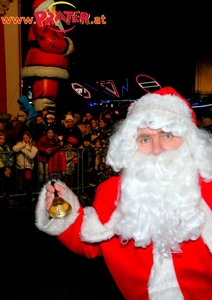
column 59, row 208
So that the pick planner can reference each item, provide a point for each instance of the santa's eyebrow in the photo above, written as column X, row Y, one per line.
column 143, row 135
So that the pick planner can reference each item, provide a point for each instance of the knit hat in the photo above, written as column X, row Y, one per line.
column 69, row 117
column 77, row 116
column 21, row 113
column 95, row 138
column 72, row 140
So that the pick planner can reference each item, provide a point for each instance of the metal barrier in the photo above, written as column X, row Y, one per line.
column 85, row 170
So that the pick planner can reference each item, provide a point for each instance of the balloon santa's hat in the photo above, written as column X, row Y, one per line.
column 39, row 5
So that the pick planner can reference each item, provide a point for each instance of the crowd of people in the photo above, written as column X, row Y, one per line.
column 59, row 146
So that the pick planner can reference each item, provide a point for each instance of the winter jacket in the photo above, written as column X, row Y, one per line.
column 25, row 155
column 6, row 157
column 57, row 162
column 42, row 144
column 27, row 108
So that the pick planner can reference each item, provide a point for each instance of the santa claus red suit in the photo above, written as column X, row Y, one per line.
column 152, row 224
column 47, row 59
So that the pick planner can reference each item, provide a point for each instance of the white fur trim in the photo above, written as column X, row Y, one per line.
column 39, row 104
column 93, row 230
column 70, row 47
column 41, row 71
column 55, row 226
column 163, row 283
column 166, row 105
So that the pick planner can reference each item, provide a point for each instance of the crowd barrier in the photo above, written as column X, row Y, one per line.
column 85, row 170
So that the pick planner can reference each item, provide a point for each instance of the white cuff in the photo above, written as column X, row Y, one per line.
column 55, row 226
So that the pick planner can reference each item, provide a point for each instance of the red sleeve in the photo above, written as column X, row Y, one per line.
column 206, row 190
column 71, row 239
column 104, row 204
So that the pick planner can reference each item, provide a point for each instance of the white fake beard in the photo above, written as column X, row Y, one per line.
column 159, row 201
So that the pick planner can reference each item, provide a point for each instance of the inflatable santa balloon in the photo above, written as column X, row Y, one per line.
column 47, row 58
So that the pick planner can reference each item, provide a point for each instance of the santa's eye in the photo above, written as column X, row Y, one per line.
column 145, row 140
column 168, row 135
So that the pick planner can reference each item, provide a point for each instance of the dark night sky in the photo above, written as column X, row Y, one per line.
column 160, row 40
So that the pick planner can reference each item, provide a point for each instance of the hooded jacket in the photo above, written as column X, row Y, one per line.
column 27, row 108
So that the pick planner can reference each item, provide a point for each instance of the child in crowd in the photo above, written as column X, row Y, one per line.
column 47, row 146
column 87, row 156
column 6, row 162
column 26, row 152
column 50, row 121
column 37, row 127
column 71, row 161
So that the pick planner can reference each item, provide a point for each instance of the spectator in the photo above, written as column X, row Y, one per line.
column 25, row 155
column 6, row 162
column 88, row 116
column 44, row 113
column 37, row 128
column 69, row 129
column 71, row 162
column 13, row 134
column 76, row 118
column 50, row 122
column 47, row 146
column 28, row 108
column 94, row 126
column 87, row 162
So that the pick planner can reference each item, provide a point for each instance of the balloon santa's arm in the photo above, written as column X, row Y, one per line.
column 70, row 46
column 43, row 220
column 53, row 42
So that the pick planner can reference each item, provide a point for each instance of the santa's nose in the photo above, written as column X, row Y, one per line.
column 157, row 148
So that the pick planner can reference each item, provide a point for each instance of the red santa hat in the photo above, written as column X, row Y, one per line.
column 163, row 106
column 39, row 5
column 170, row 91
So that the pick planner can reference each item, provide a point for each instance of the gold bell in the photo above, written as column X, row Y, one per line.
column 59, row 208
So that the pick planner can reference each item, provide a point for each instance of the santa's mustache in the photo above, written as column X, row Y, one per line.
column 164, row 168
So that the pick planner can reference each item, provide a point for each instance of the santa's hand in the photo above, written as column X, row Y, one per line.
column 50, row 193
column 55, row 226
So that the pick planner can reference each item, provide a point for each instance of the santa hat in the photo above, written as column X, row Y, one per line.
column 169, row 90
column 166, row 104
column 41, row 5
column 50, row 116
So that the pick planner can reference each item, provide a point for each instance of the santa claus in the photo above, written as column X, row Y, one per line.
column 46, row 61
column 152, row 224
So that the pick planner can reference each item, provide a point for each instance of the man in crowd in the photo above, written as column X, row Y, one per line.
column 152, row 223
column 13, row 133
